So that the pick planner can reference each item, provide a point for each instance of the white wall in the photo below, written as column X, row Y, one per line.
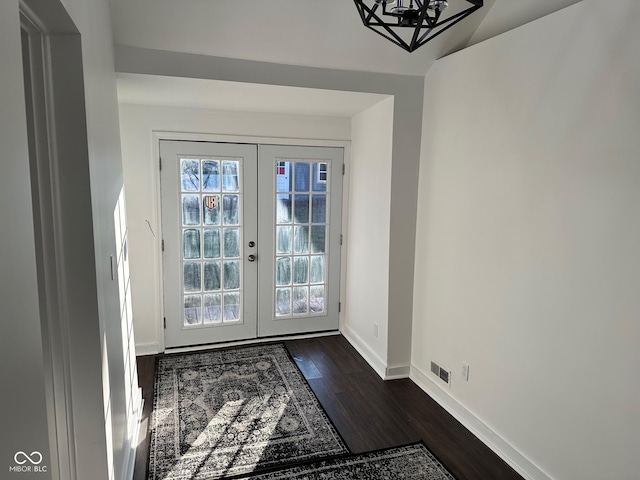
column 105, row 168
column 95, row 377
column 24, row 411
column 368, row 233
column 137, row 122
column 527, row 264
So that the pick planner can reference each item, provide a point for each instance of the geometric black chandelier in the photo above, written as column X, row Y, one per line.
column 411, row 23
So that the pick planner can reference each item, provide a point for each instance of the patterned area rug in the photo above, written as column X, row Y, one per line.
column 411, row 462
column 229, row 412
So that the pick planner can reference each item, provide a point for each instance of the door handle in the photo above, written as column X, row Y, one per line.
column 251, row 258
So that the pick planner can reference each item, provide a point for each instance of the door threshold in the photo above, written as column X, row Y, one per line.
column 252, row 341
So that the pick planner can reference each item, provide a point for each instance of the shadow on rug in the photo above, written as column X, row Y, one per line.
column 410, row 462
column 228, row 412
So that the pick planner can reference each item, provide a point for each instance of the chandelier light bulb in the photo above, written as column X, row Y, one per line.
column 401, row 7
column 437, row 4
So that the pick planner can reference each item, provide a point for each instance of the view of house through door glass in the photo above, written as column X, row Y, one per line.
column 251, row 240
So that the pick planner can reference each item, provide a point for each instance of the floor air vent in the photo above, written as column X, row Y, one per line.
column 445, row 375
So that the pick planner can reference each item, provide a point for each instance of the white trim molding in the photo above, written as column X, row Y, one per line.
column 378, row 364
column 510, row 454
column 372, row 358
column 133, row 440
column 251, row 341
column 397, row 372
column 152, row 348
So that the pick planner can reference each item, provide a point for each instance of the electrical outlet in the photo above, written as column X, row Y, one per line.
column 375, row 330
column 465, row 371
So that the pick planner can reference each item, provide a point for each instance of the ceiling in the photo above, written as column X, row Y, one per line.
column 316, row 33
column 320, row 33
column 236, row 96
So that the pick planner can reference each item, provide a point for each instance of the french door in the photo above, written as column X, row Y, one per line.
column 251, row 240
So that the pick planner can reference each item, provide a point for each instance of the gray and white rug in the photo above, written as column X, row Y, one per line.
column 410, row 462
column 228, row 412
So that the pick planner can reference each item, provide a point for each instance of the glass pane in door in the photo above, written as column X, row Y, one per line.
column 212, row 231
column 301, row 203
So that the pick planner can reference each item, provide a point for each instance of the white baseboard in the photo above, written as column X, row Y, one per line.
column 252, row 341
column 485, row 434
column 399, row 371
column 372, row 358
column 130, row 458
column 147, row 349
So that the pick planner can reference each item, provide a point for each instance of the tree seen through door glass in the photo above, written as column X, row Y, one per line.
column 283, row 271
column 212, row 243
column 212, row 280
column 230, row 176
column 213, row 308
column 319, row 209
column 210, row 176
column 190, row 210
column 283, row 301
column 301, row 239
column 191, row 243
column 231, row 307
column 301, row 270
column 192, row 309
column 192, row 276
column 317, row 269
column 318, row 239
column 301, row 209
column 190, row 174
column 283, row 209
column 231, row 209
column 231, row 242
column 283, row 240
column 231, row 274
column 316, row 299
column 300, row 300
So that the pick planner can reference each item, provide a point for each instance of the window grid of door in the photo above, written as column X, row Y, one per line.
column 302, row 228
column 211, row 240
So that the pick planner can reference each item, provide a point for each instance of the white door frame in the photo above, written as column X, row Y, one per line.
column 158, row 135
column 63, row 226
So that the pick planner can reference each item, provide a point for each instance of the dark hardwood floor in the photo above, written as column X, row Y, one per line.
column 368, row 412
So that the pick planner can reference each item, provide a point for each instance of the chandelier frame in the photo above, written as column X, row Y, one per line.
column 425, row 27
